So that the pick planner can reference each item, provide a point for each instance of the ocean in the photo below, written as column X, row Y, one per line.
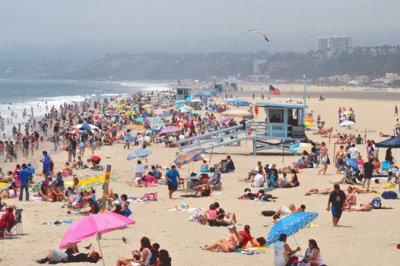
column 17, row 95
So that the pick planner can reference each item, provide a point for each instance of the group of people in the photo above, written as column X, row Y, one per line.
column 270, row 177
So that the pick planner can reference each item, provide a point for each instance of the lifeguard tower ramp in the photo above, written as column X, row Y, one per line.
column 284, row 126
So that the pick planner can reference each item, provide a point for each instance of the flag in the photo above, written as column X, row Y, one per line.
column 274, row 91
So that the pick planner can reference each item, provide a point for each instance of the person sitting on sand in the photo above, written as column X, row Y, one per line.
column 94, row 207
column 313, row 254
column 202, row 190
column 224, row 219
column 211, row 215
column 282, row 251
column 163, row 259
column 141, row 257
column 6, row 221
column 253, row 173
column 54, row 194
column 79, row 163
column 283, row 182
column 225, row 244
column 245, row 237
column 351, row 198
column 67, row 171
column 294, row 182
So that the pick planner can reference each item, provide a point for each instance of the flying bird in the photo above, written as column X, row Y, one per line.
column 259, row 32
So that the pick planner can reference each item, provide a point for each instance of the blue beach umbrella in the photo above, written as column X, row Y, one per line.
column 290, row 225
column 139, row 154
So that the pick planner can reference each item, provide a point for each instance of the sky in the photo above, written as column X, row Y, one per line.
column 91, row 28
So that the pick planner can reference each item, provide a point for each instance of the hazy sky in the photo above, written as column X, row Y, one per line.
column 88, row 28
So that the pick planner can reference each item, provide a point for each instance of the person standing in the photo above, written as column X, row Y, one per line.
column 354, row 153
column 24, row 175
column 324, row 158
column 396, row 111
column 335, row 204
column 46, row 165
column 282, row 251
column 368, row 169
column 172, row 177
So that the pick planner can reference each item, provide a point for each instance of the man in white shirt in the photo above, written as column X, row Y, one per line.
column 354, row 153
column 258, row 180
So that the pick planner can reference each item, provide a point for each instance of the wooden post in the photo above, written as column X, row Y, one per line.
column 105, row 189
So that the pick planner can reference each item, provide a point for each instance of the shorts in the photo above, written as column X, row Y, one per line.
column 172, row 187
column 367, row 176
column 97, row 161
column 336, row 212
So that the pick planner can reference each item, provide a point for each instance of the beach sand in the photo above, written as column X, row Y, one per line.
column 364, row 238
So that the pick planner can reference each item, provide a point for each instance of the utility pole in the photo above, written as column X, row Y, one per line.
column 305, row 90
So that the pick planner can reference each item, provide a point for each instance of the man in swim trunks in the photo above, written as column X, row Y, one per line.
column 335, row 204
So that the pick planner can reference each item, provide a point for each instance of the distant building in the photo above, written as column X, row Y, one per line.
column 322, row 44
column 334, row 44
column 391, row 77
column 363, row 79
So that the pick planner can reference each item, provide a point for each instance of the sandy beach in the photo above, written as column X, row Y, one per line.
column 363, row 238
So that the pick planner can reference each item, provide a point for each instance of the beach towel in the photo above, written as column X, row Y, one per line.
column 248, row 250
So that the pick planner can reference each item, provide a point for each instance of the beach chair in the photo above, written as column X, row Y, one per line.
column 16, row 228
column 216, row 182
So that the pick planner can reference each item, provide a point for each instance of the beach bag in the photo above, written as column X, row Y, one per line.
column 328, row 161
column 267, row 213
column 389, row 195
column 376, row 203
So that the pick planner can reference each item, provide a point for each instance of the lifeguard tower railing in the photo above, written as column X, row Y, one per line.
column 264, row 135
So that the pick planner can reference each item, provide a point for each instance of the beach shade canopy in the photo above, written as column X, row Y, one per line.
column 203, row 94
column 346, row 123
column 300, row 147
column 4, row 185
column 389, row 143
column 290, row 225
column 238, row 102
column 237, row 113
column 351, row 163
column 86, row 183
column 189, row 156
column 86, row 127
column 167, row 130
column 139, row 154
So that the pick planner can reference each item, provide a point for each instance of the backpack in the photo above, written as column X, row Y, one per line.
column 376, row 203
column 389, row 195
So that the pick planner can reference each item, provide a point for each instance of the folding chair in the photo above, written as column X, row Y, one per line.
column 16, row 228
column 216, row 182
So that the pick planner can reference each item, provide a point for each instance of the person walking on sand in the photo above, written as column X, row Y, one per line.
column 335, row 204
column 324, row 158
column 172, row 177
column 396, row 111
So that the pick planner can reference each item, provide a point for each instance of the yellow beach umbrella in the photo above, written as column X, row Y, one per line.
column 147, row 106
column 91, row 182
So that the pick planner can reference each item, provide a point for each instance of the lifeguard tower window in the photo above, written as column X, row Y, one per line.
column 293, row 117
column 275, row 115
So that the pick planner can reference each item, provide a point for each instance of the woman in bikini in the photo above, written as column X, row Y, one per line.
column 225, row 244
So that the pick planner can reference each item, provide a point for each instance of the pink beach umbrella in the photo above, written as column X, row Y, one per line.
column 169, row 130
column 92, row 225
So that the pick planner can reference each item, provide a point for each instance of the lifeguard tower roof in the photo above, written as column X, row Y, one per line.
column 280, row 105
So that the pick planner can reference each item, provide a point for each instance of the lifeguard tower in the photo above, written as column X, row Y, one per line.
column 283, row 126
column 183, row 92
